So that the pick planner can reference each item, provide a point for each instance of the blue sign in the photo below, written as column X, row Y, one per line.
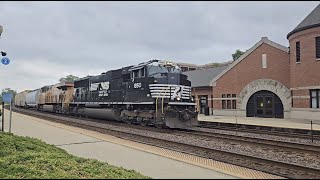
column 5, row 61
column 6, row 97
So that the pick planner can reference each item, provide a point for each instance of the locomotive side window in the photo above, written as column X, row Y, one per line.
column 77, row 93
column 135, row 73
column 138, row 73
column 142, row 72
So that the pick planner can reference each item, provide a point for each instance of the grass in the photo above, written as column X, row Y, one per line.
column 25, row 157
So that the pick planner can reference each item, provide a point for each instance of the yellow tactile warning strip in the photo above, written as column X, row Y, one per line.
column 229, row 169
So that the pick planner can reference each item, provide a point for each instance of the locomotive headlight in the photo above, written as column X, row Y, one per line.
column 178, row 98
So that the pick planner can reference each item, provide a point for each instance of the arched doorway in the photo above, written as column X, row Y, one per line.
column 265, row 104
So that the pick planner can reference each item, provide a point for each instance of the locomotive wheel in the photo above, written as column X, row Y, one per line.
column 129, row 121
column 143, row 122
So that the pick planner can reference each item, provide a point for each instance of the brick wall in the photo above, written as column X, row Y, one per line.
column 250, row 69
column 197, row 92
column 307, row 72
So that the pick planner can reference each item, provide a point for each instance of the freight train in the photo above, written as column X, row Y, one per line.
column 150, row 93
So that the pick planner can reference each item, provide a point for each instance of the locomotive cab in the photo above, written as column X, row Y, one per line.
column 168, row 90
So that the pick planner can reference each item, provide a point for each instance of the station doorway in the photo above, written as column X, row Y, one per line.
column 265, row 104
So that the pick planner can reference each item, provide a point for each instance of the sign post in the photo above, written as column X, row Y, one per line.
column 10, row 115
column 6, row 97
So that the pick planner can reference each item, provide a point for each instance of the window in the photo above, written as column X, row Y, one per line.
column 139, row 73
column 228, row 101
column 318, row 47
column 135, row 73
column 223, row 102
column 184, row 69
column 314, row 98
column 264, row 61
column 234, row 102
column 291, row 98
column 298, row 51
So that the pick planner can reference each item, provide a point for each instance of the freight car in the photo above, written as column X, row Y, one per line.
column 32, row 99
column 150, row 93
column 20, row 98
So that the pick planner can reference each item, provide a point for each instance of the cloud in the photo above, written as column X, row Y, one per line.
column 47, row 40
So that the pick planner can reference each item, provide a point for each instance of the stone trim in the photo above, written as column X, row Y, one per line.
column 265, row 84
column 300, row 97
column 303, row 88
column 225, row 98
column 306, row 109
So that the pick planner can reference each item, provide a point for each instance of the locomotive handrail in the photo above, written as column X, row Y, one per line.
column 156, row 107
column 162, row 105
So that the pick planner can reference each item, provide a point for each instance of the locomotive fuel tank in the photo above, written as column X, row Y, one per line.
column 107, row 114
column 49, row 108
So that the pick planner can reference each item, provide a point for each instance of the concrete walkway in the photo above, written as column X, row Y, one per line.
column 285, row 123
column 82, row 145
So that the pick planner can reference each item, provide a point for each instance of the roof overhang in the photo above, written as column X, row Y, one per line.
column 301, row 29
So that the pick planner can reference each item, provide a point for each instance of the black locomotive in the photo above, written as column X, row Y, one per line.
column 150, row 93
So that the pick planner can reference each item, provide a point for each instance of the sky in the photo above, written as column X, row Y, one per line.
column 49, row 40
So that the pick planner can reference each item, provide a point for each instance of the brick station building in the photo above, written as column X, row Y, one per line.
column 271, row 80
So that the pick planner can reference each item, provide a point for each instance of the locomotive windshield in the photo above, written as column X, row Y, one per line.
column 156, row 69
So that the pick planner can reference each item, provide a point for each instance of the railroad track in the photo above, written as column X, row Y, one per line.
column 181, row 142
column 285, row 132
column 307, row 148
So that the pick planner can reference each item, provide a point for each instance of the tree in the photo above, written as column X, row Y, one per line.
column 69, row 78
column 237, row 54
column 8, row 90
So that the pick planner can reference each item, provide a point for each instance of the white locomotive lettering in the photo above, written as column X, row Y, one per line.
column 137, row 85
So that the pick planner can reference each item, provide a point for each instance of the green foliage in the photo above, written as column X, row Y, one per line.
column 8, row 90
column 213, row 65
column 28, row 158
column 69, row 78
column 237, row 54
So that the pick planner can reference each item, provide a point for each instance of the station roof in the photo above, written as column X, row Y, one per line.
column 311, row 21
column 202, row 77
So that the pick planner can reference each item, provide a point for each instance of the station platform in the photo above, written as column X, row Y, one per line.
column 273, row 122
column 90, row 144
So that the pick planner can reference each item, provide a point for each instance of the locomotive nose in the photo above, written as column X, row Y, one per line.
column 186, row 116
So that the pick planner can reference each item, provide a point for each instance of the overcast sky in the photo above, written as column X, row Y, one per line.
column 49, row 40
